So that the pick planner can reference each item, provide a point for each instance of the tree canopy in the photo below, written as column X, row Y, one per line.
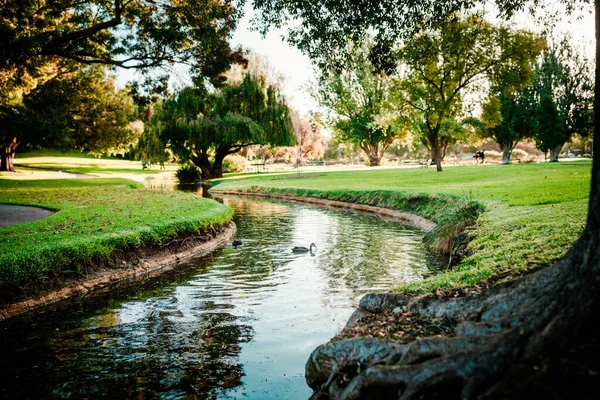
column 79, row 109
column 204, row 128
column 360, row 105
column 124, row 33
column 445, row 62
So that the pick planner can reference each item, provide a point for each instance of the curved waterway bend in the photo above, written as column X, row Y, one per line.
column 238, row 324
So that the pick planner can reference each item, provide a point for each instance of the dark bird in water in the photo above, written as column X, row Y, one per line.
column 236, row 243
column 302, row 249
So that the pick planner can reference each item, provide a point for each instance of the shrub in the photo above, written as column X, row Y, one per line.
column 234, row 163
column 188, row 173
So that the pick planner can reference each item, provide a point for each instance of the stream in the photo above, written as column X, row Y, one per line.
column 239, row 323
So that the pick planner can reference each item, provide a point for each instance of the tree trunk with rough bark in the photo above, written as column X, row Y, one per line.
column 202, row 161
column 506, row 152
column 7, row 155
column 374, row 160
column 555, row 153
column 438, row 157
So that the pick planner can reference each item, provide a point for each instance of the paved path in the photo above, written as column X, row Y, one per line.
column 12, row 215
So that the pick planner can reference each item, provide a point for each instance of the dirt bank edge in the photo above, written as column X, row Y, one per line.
column 411, row 219
column 156, row 262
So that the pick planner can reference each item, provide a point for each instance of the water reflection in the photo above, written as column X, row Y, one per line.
column 239, row 324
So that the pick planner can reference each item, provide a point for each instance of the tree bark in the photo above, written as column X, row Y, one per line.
column 7, row 155
column 217, row 167
column 506, row 152
column 374, row 160
column 201, row 161
column 555, row 152
column 438, row 155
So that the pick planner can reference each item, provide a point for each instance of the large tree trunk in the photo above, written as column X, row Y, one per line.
column 437, row 153
column 372, row 152
column 7, row 155
column 506, row 152
column 374, row 160
column 201, row 161
column 555, row 152
column 218, row 164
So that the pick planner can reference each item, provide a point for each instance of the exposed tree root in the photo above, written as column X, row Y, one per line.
column 508, row 328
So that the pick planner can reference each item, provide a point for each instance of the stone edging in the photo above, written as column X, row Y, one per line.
column 152, row 265
column 411, row 219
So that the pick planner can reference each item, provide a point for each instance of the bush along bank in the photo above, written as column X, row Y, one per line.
column 455, row 220
column 97, row 226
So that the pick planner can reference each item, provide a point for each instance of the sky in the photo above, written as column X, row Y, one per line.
column 298, row 70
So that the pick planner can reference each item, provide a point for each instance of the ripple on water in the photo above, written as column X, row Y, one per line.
column 240, row 323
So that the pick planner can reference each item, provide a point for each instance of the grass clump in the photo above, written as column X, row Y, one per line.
column 527, row 215
column 188, row 173
column 93, row 219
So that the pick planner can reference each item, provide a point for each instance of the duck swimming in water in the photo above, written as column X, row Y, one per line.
column 302, row 249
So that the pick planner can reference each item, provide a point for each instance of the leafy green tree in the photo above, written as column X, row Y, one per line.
column 508, row 119
column 446, row 61
column 124, row 33
column 451, row 132
column 40, row 37
column 204, row 128
column 81, row 109
column 552, row 124
column 564, row 90
column 358, row 99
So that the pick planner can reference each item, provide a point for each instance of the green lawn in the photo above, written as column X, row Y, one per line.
column 533, row 212
column 95, row 217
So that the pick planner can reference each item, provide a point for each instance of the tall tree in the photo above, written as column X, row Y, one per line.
column 516, row 340
column 564, row 91
column 358, row 100
column 309, row 141
column 452, row 58
column 204, row 128
column 508, row 118
column 80, row 109
column 38, row 35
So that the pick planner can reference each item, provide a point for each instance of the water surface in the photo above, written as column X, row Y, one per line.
column 238, row 324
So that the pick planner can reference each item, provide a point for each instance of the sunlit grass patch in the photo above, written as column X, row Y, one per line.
column 93, row 218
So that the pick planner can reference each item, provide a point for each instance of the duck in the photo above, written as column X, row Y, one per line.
column 302, row 249
column 236, row 243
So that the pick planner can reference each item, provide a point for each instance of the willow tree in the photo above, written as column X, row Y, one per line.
column 204, row 128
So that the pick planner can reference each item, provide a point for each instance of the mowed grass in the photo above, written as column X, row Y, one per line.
column 95, row 217
column 48, row 164
column 533, row 213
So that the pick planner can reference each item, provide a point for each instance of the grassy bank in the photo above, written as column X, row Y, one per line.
column 94, row 218
column 533, row 212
